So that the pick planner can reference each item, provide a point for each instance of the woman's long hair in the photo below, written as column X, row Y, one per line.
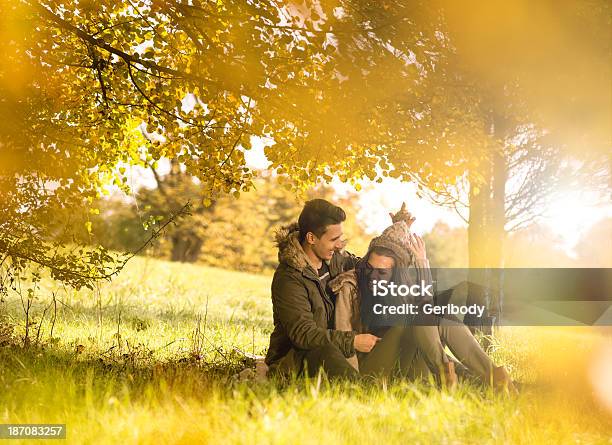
column 363, row 271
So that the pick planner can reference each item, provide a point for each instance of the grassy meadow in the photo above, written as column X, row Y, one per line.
column 149, row 358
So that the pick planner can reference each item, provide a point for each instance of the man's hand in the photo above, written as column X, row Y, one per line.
column 403, row 215
column 365, row 342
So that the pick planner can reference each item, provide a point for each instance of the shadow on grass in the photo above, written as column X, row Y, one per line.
column 47, row 367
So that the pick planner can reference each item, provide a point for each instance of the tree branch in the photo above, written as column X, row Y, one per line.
column 128, row 58
column 46, row 262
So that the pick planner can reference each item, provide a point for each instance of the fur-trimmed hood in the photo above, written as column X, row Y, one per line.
column 290, row 250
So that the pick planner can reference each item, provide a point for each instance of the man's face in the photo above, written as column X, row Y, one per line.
column 382, row 267
column 325, row 246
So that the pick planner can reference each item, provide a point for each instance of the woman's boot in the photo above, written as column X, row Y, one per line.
column 502, row 381
column 448, row 376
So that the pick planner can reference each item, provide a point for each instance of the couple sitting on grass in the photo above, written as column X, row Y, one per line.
column 317, row 295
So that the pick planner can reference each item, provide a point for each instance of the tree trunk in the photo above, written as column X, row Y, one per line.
column 186, row 247
column 478, row 292
column 486, row 232
column 497, row 233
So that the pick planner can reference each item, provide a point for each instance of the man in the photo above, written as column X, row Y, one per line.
column 310, row 253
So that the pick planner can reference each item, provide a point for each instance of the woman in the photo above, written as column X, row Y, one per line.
column 418, row 345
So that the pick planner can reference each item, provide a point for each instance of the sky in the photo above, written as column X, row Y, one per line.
column 567, row 217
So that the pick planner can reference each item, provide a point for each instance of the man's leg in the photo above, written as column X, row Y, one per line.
column 331, row 360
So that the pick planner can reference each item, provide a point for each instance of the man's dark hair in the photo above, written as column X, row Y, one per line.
column 316, row 215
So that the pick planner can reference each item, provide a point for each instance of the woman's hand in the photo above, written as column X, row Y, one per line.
column 416, row 245
column 365, row 342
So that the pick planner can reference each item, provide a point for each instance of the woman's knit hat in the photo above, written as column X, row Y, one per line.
column 396, row 239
